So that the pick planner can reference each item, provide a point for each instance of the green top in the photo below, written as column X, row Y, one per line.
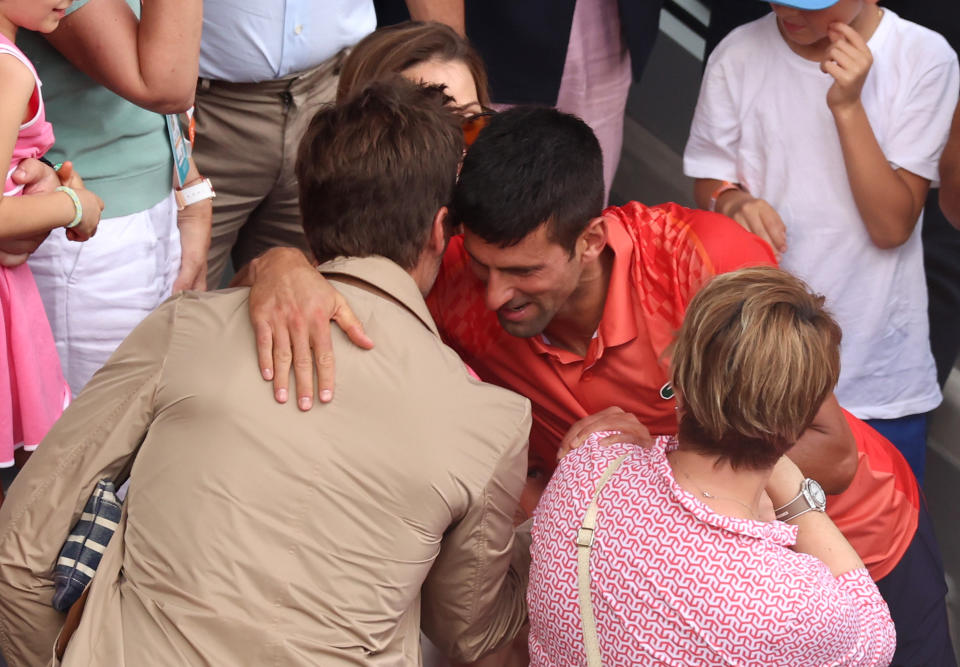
column 119, row 149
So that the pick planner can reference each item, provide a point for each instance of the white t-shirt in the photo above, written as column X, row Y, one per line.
column 762, row 120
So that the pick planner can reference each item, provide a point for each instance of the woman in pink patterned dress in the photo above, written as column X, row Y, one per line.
column 672, row 555
column 33, row 392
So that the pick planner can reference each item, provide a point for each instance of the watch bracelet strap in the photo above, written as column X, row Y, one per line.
column 810, row 508
column 77, row 206
column 185, row 196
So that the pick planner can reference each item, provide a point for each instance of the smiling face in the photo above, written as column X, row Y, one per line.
column 804, row 28
column 38, row 15
column 527, row 284
column 454, row 74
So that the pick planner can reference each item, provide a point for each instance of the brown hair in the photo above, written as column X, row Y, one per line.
column 393, row 49
column 753, row 362
column 374, row 170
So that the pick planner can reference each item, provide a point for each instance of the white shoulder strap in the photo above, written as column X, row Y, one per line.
column 584, row 541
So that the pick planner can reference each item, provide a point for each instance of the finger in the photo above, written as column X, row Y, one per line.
column 351, row 325
column 264, row 336
column 282, row 356
column 776, row 230
column 303, row 366
column 755, row 225
column 65, row 173
column 849, row 34
column 835, row 70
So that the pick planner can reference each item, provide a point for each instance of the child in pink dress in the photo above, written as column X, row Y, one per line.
column 33, row 392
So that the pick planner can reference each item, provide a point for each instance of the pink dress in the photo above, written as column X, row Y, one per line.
column 674, row 583
column 33, row 392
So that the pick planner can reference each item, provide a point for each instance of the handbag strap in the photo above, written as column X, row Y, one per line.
column 591, row 642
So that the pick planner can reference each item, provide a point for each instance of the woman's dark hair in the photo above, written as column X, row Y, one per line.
column 393, row 49
column 374, row 170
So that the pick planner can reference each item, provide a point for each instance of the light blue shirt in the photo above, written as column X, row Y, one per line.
column 246, row 41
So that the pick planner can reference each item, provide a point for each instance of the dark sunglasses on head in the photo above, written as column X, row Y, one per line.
column 472, row 125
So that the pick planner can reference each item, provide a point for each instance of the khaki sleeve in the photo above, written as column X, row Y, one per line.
column 96, row 438
column 474, row 599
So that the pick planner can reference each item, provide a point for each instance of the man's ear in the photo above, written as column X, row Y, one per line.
column 439, row 234
column 593, row 239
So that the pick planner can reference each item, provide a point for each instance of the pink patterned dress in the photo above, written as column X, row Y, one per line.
column 674, row 583
column 33, row 392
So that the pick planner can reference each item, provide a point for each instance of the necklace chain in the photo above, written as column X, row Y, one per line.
column 707, row 494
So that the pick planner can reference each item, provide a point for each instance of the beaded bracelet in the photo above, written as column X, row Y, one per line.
column 76, row 205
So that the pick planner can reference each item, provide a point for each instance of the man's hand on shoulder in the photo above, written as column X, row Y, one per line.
column 291, row 306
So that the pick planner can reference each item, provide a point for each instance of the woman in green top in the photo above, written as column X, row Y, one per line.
column 107, row 78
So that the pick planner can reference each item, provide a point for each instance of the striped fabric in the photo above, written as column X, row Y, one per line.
column 84, row 547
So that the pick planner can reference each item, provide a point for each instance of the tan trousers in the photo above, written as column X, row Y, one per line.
column 246, row 144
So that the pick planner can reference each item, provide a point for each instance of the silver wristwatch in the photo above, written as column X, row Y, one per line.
column 810, row 499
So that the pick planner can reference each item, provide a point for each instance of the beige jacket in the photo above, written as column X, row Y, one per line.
column 256, row 534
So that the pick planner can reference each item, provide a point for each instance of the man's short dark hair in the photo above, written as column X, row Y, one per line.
column 530, row 165
column 374, row 170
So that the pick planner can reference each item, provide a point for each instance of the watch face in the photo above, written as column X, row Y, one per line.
column 814, row 493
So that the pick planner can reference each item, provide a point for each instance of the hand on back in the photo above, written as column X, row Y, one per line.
column 757, row 216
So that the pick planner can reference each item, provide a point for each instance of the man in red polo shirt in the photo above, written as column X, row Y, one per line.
column 544, row 294
column 577, row 311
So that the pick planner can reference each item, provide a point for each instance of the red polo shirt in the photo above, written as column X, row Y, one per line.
column 878, row 512
column 662, row 256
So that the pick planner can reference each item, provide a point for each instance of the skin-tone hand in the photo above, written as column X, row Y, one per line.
column 848, row 61
column 92, row 208
column 611, row 419
column 755, row 215
column 291, row 306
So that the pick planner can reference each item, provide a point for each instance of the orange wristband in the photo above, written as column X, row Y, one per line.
column 724, row 186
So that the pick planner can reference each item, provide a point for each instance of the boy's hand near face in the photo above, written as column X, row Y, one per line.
column 848, row 61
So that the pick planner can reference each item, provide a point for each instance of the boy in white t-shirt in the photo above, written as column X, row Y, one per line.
column 819, row 128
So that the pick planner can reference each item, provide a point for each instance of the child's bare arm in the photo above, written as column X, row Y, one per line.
column 889, row 200
column 753, row 214
column 23, row 216
column 950, row 174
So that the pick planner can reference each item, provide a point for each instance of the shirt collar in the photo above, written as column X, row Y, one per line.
column 387, row 276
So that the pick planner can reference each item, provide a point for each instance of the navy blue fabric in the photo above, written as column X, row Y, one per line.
column 909, row 435
column 915, row 591
column 82, row 551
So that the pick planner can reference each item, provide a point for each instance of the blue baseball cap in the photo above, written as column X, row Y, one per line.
column 807, row 4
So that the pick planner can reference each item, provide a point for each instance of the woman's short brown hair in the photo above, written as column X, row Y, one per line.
column 395, row 48
column 754, row 360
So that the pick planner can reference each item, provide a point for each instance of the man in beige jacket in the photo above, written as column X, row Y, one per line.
column 257, row 534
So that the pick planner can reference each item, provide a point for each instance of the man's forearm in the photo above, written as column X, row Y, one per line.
column 887, row 204
column 827, row 450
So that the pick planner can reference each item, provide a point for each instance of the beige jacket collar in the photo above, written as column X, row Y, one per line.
column 388, row 276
